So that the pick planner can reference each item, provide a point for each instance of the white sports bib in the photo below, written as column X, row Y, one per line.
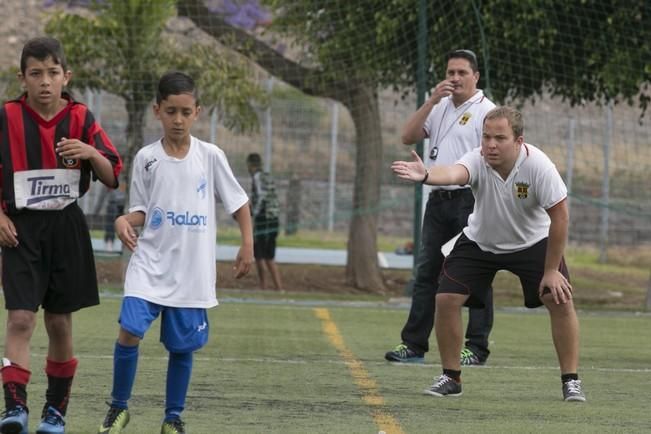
column 46, row 189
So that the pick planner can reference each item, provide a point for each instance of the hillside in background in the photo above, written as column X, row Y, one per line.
column 20, row 21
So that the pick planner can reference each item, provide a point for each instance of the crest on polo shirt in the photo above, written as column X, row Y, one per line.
column 71, row 163
column 521, row 190
column 465, row 118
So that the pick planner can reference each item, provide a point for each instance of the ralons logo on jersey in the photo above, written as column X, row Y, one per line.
column 194, row 222
column 522, row 190
column 156, row 220
column 184, row 218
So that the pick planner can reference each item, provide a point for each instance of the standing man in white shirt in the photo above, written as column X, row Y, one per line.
column 520, row 224
column 452, row 119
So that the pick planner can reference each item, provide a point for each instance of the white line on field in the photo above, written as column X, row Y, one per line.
column 366, row 362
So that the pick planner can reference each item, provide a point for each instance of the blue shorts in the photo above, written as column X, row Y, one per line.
column 183, row 329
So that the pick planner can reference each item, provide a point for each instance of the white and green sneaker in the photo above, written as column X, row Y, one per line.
column 469, row 358
column 174, row 426
column 403, row 354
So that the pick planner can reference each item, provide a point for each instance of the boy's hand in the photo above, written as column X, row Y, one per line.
column 75, row 149
column 126, row 233
column 8, row 233
column 243, row 261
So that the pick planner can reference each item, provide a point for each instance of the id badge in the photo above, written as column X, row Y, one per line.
column 434, row 153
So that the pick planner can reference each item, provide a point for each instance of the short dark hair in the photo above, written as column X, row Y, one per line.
column 254, row 159
column 469, row 55
column 40, row 49
column 175, row 83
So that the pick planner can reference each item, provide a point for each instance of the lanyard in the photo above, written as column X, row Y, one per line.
column 434, row 152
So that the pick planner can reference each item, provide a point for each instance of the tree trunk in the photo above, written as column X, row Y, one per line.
column 362, row 269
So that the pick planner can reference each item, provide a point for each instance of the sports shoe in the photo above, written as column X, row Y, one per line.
column 444, row 386
column 468, row 358
column 403, row 354
column 174, row 426
column 115, row 421
column 572, row 391
column 51, row 422
column 14, row 421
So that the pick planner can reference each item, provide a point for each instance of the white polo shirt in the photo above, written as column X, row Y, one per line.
column 174, row 261
column 454, row 131
column 511, row 215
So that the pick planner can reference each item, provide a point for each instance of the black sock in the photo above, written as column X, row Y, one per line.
column 58, row 393
column 455, row 375
column 15, row 395
column 567, row 377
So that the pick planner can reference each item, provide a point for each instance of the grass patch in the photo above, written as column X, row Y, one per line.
column 269, row 367
column 312, row 239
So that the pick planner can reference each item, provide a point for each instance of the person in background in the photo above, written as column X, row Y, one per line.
column 452, row 120
column 265, row 210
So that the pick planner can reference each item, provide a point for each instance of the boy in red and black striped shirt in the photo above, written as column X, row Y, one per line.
column 50, row 148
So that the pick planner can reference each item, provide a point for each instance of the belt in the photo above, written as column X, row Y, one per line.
column 448, row 194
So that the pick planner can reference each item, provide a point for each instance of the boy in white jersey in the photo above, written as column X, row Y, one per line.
column 174, row 189
column 519, row 223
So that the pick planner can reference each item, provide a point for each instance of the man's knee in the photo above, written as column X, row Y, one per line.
column 450, row 300
column 566, row 308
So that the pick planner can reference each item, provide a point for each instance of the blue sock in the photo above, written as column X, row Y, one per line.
column 125, row 362
column 179, row 370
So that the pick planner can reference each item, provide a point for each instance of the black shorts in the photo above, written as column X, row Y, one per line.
column 264, row 238
column 53, row 265
column 470, row 270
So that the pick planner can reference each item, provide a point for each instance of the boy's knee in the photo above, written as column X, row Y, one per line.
column 127, row 339
column 58, row 323
column 21, row 321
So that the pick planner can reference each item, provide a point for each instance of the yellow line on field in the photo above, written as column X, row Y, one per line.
column 370, row 394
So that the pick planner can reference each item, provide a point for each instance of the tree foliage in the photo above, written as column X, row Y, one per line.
column 120, row 46
column 582, row 51
column 326, row 70
column 587, row 50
